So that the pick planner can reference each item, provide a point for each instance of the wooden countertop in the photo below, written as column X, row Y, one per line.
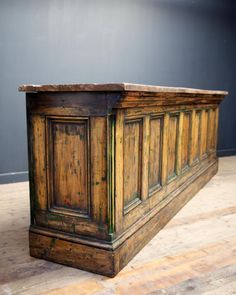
column 123, row 87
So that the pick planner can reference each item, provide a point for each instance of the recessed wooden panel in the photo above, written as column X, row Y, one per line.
column 204, row 133
column 185, row 148
column 68, row 141
column 155, row 152
column 212, row 130
column 132, row 162
column 172, row 145
column 196, row 136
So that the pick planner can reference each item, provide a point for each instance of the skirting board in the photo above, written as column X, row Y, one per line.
column 226, row 152
column 12, row 177
column 110, row 262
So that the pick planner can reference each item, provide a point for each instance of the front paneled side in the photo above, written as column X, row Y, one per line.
column 164, row 148
column 133, row 162
column 68, row 145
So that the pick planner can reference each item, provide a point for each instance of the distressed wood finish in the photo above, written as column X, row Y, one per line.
column 70, row 185
column 111, row 164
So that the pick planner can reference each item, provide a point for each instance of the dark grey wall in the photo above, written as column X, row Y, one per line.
column 161, row 42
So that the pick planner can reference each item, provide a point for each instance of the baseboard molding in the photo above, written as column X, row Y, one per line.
column 226, row 152
column 13, row 177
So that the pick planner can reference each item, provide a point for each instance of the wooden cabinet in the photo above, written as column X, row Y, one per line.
column 111, row 164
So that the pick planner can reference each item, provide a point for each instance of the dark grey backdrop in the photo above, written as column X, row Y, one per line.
column 161, row 42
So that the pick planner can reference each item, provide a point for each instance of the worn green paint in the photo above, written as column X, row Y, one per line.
column 104, row 178
column 172, row 176
column 53, row 242
column 135, row 196
column 34, row 203
column 111, row 174
column 47, row 251
column 54, row 217
column 82, row 137
column 95, row 183
column 30, row 159
column 73, row 227
column 100, row 225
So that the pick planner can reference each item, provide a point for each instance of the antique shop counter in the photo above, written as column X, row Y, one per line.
column 111, row 164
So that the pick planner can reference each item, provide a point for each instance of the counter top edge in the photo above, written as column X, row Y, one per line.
column 113, row 87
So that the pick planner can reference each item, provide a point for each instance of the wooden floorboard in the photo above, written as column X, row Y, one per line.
column 194, row 254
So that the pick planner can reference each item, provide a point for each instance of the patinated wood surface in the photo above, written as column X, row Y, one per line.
column 113, row 165
column 193, row 254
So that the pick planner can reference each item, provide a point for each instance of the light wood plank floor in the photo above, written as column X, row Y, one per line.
column 194, row 254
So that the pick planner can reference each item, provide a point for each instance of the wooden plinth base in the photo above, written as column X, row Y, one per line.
column 110, row 259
